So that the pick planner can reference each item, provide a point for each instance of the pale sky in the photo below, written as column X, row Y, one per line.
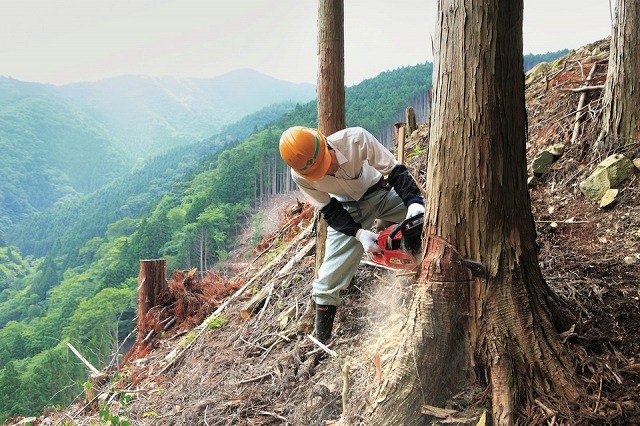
column 63, row 41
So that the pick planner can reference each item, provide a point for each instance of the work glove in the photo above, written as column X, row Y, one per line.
column 414, row 209
column 369, row 240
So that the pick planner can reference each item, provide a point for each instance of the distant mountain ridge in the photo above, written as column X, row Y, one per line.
column 65, row 141
column 148, row 113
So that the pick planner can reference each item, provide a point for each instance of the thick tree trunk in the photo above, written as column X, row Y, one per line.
column 496, row 328
column 621, row 111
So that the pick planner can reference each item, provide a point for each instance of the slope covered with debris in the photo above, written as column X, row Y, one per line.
column 250, row 362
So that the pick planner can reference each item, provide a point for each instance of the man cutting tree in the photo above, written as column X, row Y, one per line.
column 343, row 175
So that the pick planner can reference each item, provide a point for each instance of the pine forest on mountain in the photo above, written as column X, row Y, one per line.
column 74, row 223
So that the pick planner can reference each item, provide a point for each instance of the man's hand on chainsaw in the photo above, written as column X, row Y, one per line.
column 369, row 240
column 414, row 209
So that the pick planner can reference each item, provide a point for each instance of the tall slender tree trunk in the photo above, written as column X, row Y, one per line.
column 331, row 100
column 274, row 176
column 621, row 110
column 498, row 329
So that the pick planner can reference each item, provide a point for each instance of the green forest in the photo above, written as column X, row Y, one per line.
column 68, row 274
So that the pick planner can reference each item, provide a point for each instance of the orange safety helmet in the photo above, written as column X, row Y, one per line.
column 305, row 150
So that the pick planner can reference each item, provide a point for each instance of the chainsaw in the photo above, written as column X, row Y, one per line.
column 400, row 243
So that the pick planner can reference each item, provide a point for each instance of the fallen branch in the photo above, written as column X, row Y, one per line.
column 84, row 361
column 345, row 386
column 583, row 89
column 255, row 379
column 277, row 416
column 562, row 221
column 580, row 114
column 256, row 301
column 266, row 302
column 322, row 346
column 440, row 413
column 186, row 343
column 267, row 290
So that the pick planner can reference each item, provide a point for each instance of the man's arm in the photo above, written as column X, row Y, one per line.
column 340, row 219
column 405, row 186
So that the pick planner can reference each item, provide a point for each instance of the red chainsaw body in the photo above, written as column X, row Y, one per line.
column 393, row 254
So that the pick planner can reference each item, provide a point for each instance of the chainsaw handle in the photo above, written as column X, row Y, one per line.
column 401, row 225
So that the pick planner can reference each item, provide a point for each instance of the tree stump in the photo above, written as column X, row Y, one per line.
column 151, row 281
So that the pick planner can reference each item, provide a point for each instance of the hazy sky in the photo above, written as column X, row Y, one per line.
column 62, row 41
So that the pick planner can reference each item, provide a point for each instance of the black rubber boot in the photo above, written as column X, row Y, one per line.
column 324, row 321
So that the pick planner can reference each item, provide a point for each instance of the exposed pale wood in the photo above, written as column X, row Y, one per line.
column 322, row 346
column 401, row 141
column 441, row 413
column 256, row 301
column 345, row 386
column 84, row 360
column 302, row 253
column 259, row 298
column 583, row 89
column 95, row 379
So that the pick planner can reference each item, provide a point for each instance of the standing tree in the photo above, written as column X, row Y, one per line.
column 331, row 100
column 499, row 326
column 621, row 112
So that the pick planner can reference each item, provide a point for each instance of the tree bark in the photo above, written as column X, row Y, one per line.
column 151, row 281
column 331, row 100
column 496, row 330
column 410, row 119
column 621, row 110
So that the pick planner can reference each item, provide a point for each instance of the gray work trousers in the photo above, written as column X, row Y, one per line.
column 343, row 253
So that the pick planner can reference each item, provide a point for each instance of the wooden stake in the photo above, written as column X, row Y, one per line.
column 400, row 139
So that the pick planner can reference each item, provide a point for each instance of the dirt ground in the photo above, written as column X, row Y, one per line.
column 260, row 368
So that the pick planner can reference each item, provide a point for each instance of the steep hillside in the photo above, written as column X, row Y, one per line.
column 251, row 362
column 186, row 207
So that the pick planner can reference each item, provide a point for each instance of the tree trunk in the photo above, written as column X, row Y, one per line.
column 274, row 176
column 410, row 119
column 461, row 327
column 331, row 101
column 621, row 111
column 151, row 281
